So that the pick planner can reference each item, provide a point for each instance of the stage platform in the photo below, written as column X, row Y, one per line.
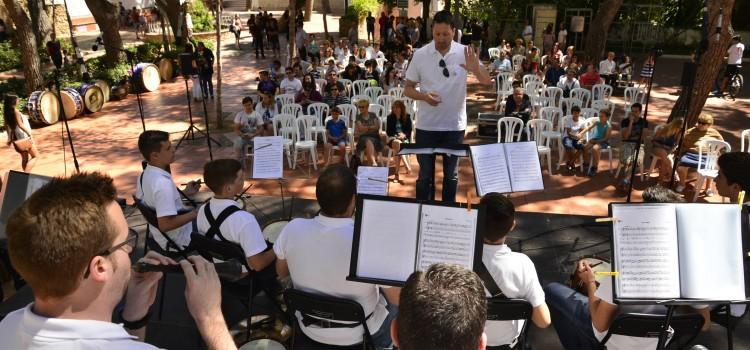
column 552, row 241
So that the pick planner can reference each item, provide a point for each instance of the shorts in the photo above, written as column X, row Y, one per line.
column 602, row 144
column 341, row 142
column 571, row 143
column 690, row 160
column 731, row 70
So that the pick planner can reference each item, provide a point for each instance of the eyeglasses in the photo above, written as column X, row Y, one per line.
column 129, row 243
column 445, row 69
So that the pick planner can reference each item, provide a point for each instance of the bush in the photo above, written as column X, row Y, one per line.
column 111, row 75
column 203, row 20
column 10, row 57
column 148, row 52
column 359, row 8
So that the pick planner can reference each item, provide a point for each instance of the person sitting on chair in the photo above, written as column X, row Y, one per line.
column 703, row 131
column 336, row 135
column 631, row 129
column 734, row 175
column 157, row 190
column 602, row 131
column 518, row 105
column 247, row 125
column 367, row 133
column 398, row 128
column 315, row 253
column 513, row 273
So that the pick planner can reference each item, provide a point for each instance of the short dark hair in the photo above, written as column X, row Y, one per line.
column 637, row 105
column 443, row 307
column 736, row 168
column 501, row 214
column 444, row 17
column 575, row 109
column 661, row 194
column 335, row 188
column 220, row 172
column 150, row 142
column 247, row 99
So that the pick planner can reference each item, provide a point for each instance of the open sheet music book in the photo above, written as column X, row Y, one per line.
column 677, row 251
column 372, row 180
column 394, row 237
column 459, row 150
column 506, row 167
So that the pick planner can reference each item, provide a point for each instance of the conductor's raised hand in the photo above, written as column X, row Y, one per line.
column 472, row 60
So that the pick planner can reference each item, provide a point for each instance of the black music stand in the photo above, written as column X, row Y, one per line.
column 130, row 56
column 458, row 150
column 186, row 65
column 58, row 89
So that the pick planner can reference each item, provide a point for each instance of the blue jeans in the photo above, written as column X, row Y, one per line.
column 570, row 315
column 382, row 338
column 426, row 180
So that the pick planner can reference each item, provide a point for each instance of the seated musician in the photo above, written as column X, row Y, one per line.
column 514, row 273
column 223, row 220
column 156, row 188
column 315, row 253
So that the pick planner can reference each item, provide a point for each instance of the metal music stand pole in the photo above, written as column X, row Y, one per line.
column 130, row 56
column 208, row 133
column 192, row 126
column 65, row 118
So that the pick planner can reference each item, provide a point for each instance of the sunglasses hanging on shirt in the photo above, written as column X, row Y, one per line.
column 445, row 69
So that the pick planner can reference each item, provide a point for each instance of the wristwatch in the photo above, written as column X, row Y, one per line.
column 132, row 325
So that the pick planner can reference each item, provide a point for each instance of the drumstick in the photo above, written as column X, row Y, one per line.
column 378, row 180
column 597, row 264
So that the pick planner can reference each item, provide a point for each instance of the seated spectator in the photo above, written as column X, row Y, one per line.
column 524, row 70
column 590, row 78
column 734, row 175
column 71, row 243
column 501, row 64
column 518, row 105
column 335, row 97
column 337, row 134
column 371, row 72
column 602, row 130
column 519, row 49
column 343, row 59
column 156, row 188
column 567, row 59
column 331, row 68
column 315, row 253
column 266, row 108
column 442, row 308
column 663, row 144
column 308, row 96
column 332, row 79
column 304, row 66
column 291, row 85
column 514, row 273
column 608, row 69
column 352, row 72
column 367, row 133
column 266, row 85
column 661, row 194
column 703, row 131
column 277, row 71
column 398, row 129
column 631, row 129
column 401, row 64
column 553, row 74
column 535, row 60
column 390, row 80
column 362, row 56
column 626, row 69
column 313, row 49
column 247, row 125
column 572, row 138
column 376, row 53
column 568, row 82
column 556, row 53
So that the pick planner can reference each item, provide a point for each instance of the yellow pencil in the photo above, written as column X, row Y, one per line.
column 607, row 273
column 741, row 198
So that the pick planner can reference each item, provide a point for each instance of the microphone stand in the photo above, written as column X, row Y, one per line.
column 130, row 56
column 64, row 118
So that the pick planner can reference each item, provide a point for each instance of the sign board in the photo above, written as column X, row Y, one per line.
column 402, row 3
column 577, row 24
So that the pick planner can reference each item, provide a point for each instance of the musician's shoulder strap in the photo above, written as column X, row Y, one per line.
column 489, row 282
column 215, row 224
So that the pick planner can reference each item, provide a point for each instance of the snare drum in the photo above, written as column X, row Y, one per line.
column 146, row 77
column 104, row 86
column 72, row 102
column 93, row 97
column 263, row 344
column 43, row 107
column 272, row 229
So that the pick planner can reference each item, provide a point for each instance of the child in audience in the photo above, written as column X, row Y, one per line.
column 571, row 139
column 602, row 131
column 336, row 134
column 247, row 125
column 663, row 144
column 514, row 273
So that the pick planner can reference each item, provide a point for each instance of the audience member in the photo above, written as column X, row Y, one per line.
column 703, row 131
column 734, row 175
column 391, row 80
column 513, row 273
column 398, row 129
column 442, row 308
column 308, row 96
column 661, row 194
column 291, row 85
column 569, row 53
column 501, row 64
column 562, row 34
column 602, row 130
column 157, row 190
column 554, row 73
column 313, row 49
column 590, row 78
column 335, row 97
column 568, row 82
column 332, row 79
column 572, row 137
column 631, row 129
column 608, row 69
column 663, row 145
column 352, row 72
column 266, row 85
column 519, row 49
column 315, row 253
column 367, row 133
column 266, row 108
column 247, row 125
column 371, row 72
column 518, row 105
column 647, row 71
column 71, row 243
column 337, row 134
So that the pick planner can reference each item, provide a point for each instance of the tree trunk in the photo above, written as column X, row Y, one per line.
column 107, row 17
column 308, row 9
column 27, row 42
column 292, row 29
column 173, row 12
column 426, row 35
column 693, row 99
column 219, row 114
column 596, row 40
column 40, row 22
column 447, row 5
column 326, row 11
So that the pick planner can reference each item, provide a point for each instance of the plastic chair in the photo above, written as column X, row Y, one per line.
column 604, row 104
column 555, row 116
column 528, row 78
column 283, row 125
column 502, row 309
column 386, row 101
column 396, row 92
column 650, row 326
column 506, row 129
column 357, row 98
column 493, row 52
column 607, row 150
column 348, row 111
column 348, row 149
column 347, row 85
column 587, row 113
column 745, row 140
column 517, row 61
column 601, row 92
column 538, row 128
column 320, row 83
column 711, row 149
column 373, row 92
column 303, row 140
column 554, row 95
column 284, row 99
column 294, row 109
column 582, row 95
column 379, row 112
column 359, row 86
column 567, row 103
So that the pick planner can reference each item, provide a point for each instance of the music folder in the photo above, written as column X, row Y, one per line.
column 506, row 167
column 393, row 237
column 458, row 150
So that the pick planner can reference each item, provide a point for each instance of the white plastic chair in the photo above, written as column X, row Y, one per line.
column 554, row 94
column 347, row 150
column 566, row 103
column 601, row 92
column 379, row 112
column 357, row 98
column 745, row 140
column 294, row 109
column 588, row 113
column 303, row 140
column 396, row 92
column 386, row 101
column 582, row 95
column 284, row 99
column 539, row 128
column 512, row 127
column 493, row 52
column 373, row 92
column 504, row 81
column 283, row 125
column 517, row 62
column 654, row 159
column 712, row 149
column 554, row 115
column 320, row 83
column 632, row 95
column 348, row 111
column 531, row 78
column 607, row 150
column 359, row 86
column 534, row 88
column 347, row 85
column 604, row 104
column 320, row 111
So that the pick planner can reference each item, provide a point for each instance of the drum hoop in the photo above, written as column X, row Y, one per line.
column 275, row 222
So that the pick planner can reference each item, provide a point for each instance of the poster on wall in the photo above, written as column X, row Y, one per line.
column 577, row 24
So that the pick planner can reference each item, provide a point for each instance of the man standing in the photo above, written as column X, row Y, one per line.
column 205, row 60
column 370, row 26
column 440, row 68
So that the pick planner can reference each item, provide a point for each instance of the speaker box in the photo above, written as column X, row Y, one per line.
column 689, row 69
column 186, row 64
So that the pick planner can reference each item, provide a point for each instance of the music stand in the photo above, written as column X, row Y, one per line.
column 458, row 150
column 186, row 66
column 130, row 56
column 64, row 118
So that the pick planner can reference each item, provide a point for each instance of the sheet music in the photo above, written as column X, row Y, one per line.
column 372, row 180
column 447, row 235
column 490, row 168
column 523, row 166
column 645, row 251
column 710, row 244
column 387, row 240
column 268, row 157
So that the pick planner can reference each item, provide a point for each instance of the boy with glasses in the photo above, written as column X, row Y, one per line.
column 290, row 85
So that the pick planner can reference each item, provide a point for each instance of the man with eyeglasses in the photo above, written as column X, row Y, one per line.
column 71, row 243
column 332, row 80
column 335, row 97
column 440, row 70
column 290, row 85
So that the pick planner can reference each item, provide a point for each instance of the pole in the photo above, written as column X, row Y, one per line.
column 65, row 119
column 219, row 116
column 79, row 57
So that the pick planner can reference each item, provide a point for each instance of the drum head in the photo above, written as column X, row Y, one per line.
column 48, row 108
column 70, row 106
column 272, row 229
column 151, row 78
column 262, row 344
column 93, row 98
column 104, row 86
column 166, row 69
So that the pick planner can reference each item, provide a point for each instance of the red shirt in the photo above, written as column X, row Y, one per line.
column 589, row 79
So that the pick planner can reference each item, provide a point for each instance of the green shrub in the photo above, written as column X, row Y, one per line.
column 359, row 8
column 10, row 57
column 148, row 52
column 203, row 20
column 111, row 75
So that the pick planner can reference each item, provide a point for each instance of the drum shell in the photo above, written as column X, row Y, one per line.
column 146, row 77
column 166, row 69
column 272, row 229
column 72, row 102
column 96, row 102
column 43, row 115
column 106, row 89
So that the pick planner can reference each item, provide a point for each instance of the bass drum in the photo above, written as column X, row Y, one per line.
column 43, row 107
column 104, row 86
column 166, row 69
column 272, row 230
column 263, row 344
column 72, row 102
column 146, row 77
column 93, row 98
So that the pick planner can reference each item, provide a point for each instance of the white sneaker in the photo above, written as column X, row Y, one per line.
column 709, row 193
column 679, row 188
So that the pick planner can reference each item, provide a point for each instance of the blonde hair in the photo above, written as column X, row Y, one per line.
column 706, row 118
column 672, row 127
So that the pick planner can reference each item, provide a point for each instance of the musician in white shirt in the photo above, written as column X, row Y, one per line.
column 608, row 69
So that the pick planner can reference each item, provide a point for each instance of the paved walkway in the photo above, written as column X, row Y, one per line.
column 106, row 141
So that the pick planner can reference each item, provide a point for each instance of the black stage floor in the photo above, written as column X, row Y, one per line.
column 552, row 241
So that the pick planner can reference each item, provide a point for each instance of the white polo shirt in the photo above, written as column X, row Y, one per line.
column 160, row 193
column 293, row 86
column 607, row 67
column 240, row 227
column 318, row 254
column 516, row 276
column 23, row 329
column 450, row 114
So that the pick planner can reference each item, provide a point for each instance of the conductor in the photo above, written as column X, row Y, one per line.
column 436, row 79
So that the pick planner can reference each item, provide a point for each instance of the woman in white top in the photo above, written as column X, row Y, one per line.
column 237, row 30
column 19, row 132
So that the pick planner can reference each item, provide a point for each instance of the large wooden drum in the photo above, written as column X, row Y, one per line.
column 146, row 77
column 93, row 98
column 263, row 344
column 104, row 86
column 272, row 230
column 166, row 69
column 43, row 107
column 72, row 102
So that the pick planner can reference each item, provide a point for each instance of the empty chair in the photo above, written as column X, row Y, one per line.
column 320, row 111
column 517, row 61
column 588, row 113
column 493, row 52
column 711, row 150
column 582, row 95
column 294, row 109
column 303, row 139
column 534, row 88
column 509, row 129
column 359, row 86
column 554, row 95
column 396, row 92
column 283, row 125
column 528, row 78
column 566, row 103
column 503, row 309
column 504, row 81
column 284, row 99
column 386, row 101
column 601, row 92
column 373, row 92
column 554, row 115
column 538, row 129
column 633, row 95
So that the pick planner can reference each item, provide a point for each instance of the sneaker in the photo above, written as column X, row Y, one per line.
column 592, row 172
column 679, row 188
column 709, row 193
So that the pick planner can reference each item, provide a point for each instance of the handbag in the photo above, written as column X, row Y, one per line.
column 232, row 28
column 23, row 145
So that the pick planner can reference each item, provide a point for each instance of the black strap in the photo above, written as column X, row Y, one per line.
column 489, row 282
column 308, row 321
column 216, row 223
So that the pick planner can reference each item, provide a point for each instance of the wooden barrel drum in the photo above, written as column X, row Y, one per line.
column 43, row 107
